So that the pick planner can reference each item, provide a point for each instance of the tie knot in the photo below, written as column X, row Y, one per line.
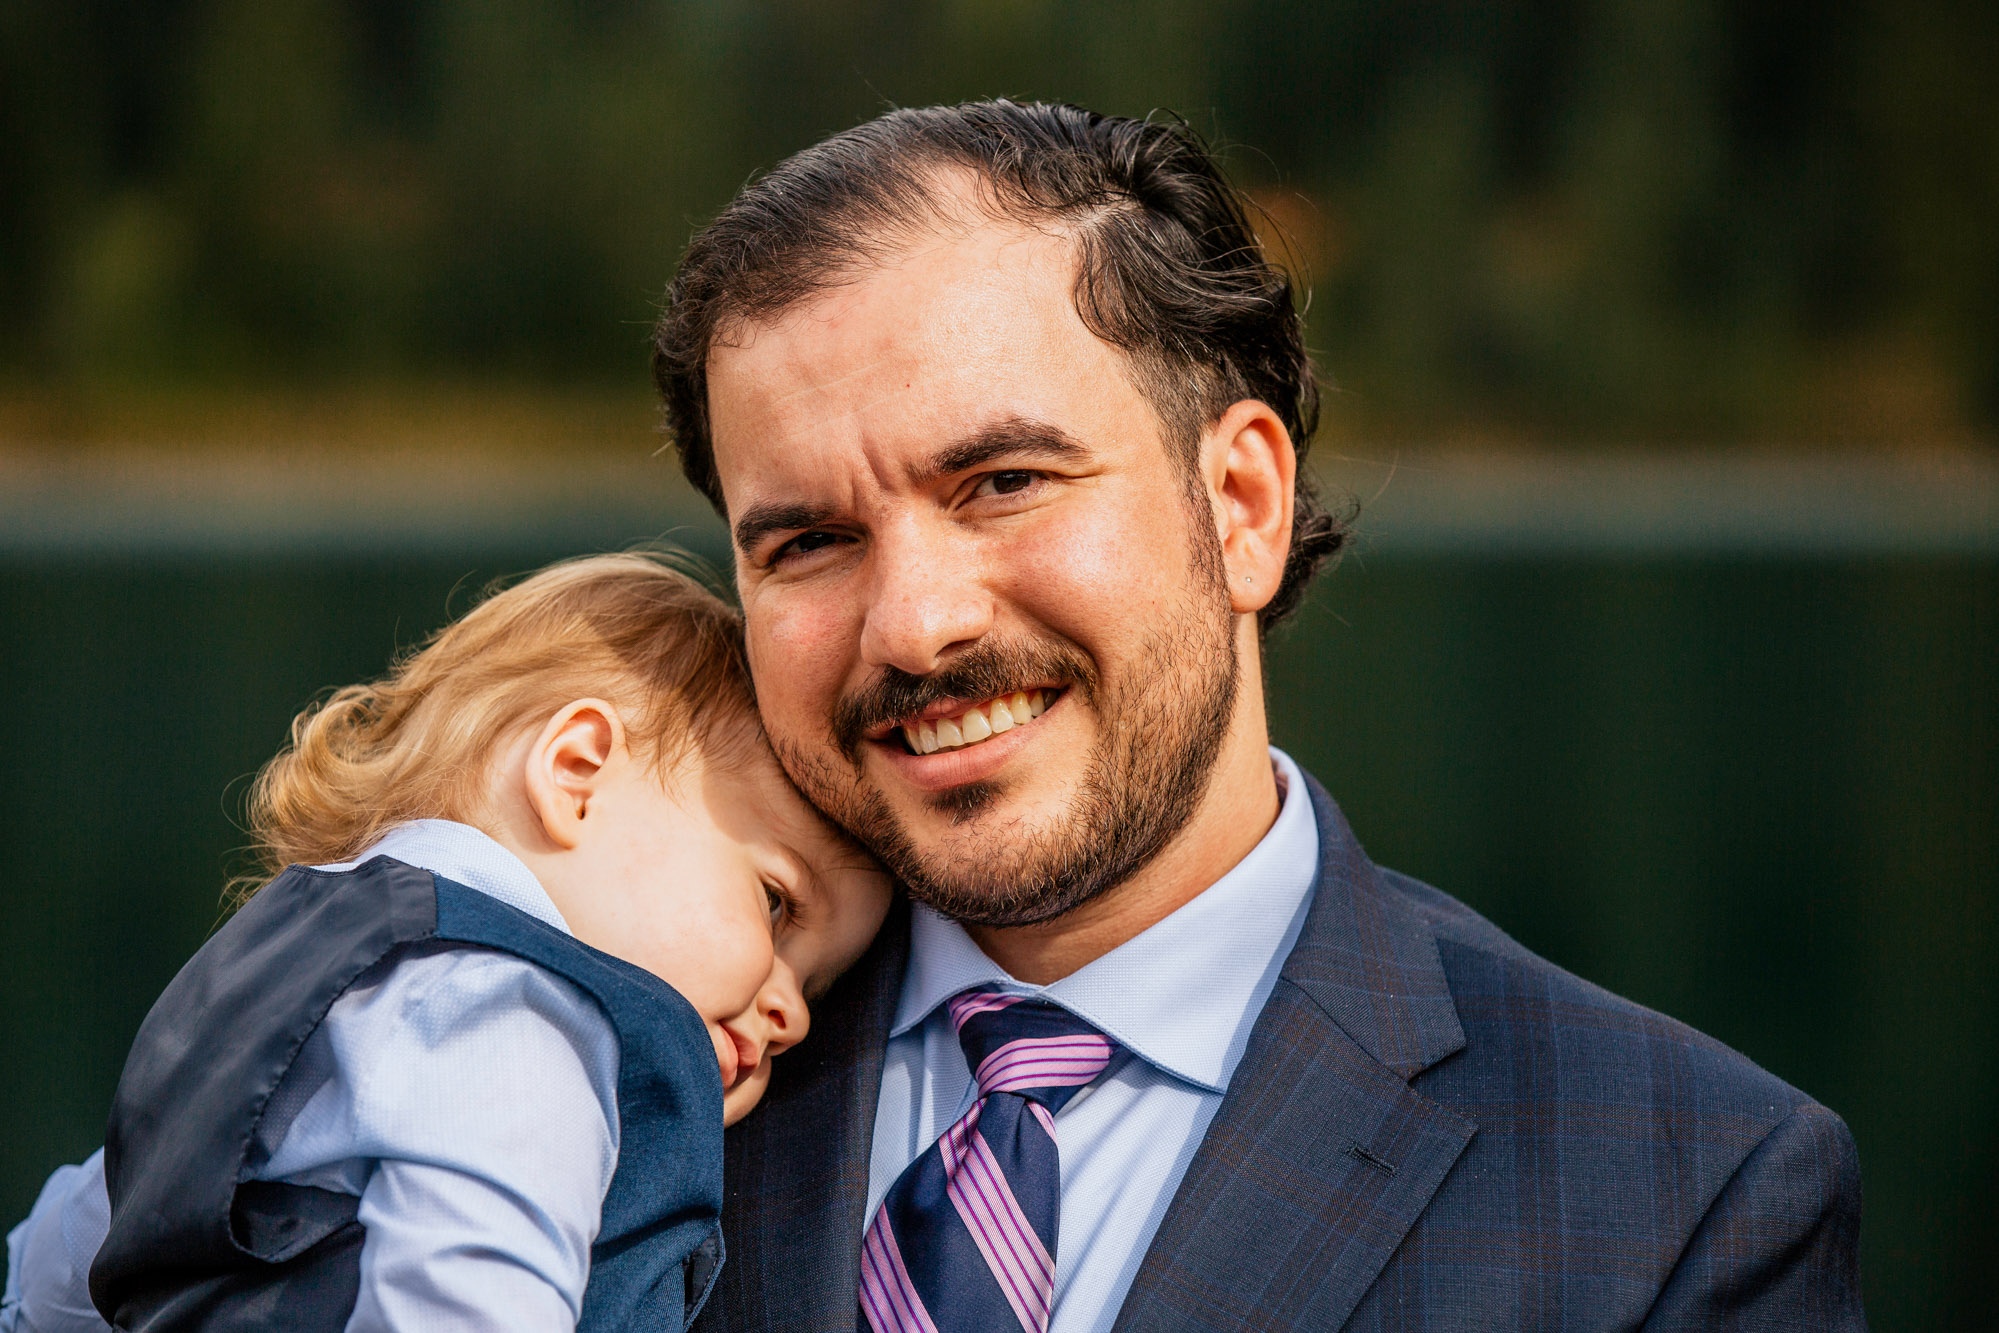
column 1031, row 1047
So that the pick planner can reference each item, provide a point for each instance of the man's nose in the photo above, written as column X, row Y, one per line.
column 926, row 599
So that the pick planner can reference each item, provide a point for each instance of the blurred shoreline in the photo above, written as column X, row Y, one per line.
column 425, row 492
column 1610, row 500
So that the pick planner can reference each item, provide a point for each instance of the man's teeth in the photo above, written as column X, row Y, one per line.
column 976, row 724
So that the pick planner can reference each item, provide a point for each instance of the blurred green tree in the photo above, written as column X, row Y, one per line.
column 1586, row 218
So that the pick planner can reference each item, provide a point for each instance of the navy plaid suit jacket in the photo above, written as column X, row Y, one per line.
column 1431, row 1129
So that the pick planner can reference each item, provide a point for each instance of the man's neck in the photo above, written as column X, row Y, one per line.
column 1240, row 806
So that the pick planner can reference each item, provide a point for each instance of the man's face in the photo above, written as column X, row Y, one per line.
column 985, row 603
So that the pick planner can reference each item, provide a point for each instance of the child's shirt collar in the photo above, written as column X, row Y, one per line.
column 462, row 853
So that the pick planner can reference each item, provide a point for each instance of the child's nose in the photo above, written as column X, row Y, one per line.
column 784, row 1011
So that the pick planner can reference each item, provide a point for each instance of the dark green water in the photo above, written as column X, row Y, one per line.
column 1760, row 794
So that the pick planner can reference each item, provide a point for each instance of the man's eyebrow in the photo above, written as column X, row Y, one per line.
column 761, row 520
column 1011, row 438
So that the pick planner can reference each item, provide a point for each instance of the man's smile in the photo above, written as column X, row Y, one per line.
column 952, row 743
column 950, row 725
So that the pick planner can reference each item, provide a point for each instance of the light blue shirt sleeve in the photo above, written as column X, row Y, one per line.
column 475, row 1098
column 49, row 1254
column 467, row 1096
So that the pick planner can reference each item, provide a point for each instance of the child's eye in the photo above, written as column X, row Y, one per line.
column 777, row 904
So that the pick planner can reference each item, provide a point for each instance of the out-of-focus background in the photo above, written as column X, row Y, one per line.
column 1664, row 337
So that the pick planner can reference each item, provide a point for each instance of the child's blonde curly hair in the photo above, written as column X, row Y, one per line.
column 635, row 629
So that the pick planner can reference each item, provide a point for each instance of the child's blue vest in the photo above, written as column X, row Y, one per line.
column 193, row 1245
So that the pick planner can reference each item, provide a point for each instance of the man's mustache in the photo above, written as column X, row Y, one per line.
column 977, row 673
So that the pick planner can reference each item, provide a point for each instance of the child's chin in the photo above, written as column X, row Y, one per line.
column 740, row 1100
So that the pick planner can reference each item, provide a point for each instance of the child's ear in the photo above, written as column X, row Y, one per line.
column 566, row 766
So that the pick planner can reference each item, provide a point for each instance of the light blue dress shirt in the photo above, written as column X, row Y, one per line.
column 467, row 1096
column 1182, row 996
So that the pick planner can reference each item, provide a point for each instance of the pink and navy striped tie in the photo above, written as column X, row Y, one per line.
column 965, row 1240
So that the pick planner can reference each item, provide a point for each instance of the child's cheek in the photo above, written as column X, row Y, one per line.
column 740, row 1100
column 725, row 1052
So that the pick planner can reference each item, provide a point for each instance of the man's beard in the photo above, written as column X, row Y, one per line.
column 1162, row 724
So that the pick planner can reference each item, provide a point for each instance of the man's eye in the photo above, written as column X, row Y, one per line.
column 803, row 544
column 1007, row 483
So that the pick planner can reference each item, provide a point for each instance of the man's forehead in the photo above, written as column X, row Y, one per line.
column 961, row 330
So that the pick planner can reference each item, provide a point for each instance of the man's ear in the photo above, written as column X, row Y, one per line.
column 1251, row 470
column 566, row 766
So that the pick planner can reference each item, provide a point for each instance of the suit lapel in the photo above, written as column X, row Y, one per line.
column 795, row 1171
column 1321, row 1156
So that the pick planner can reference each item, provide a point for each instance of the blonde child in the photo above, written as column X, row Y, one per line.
column 542, row 911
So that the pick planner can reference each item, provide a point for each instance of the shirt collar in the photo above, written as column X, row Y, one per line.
column 1185, row 993
column 463, row 854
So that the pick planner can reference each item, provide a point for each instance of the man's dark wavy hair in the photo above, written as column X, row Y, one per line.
column 1170, row 271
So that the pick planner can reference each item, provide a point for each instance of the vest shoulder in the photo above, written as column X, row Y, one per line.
column 1513, row 1003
